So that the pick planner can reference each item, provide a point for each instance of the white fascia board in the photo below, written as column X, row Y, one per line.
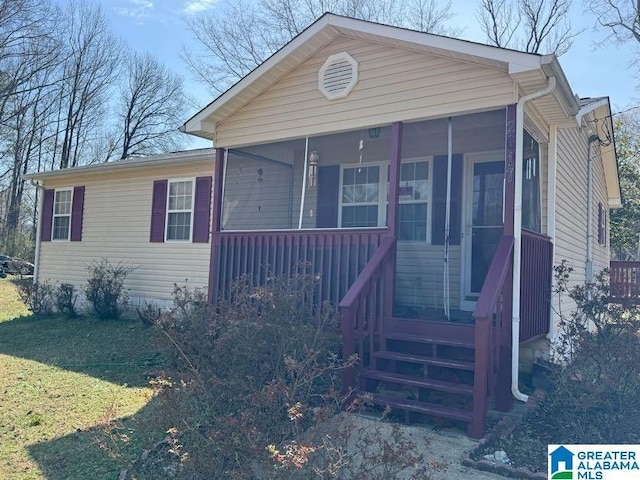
column 526, row 61
column 200, row 155
column 591, row 106
column 551, row 67
column 255, row 74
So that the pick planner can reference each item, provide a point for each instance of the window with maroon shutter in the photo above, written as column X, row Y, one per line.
column 62, row 214
column 600, row 224
column 181, row 210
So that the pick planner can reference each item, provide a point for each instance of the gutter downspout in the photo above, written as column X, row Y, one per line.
column 36, row 259
column 517, row 236
column 589, row 260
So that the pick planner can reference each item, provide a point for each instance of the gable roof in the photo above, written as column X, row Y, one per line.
column 530, row 71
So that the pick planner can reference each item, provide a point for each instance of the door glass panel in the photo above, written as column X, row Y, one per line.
column 487, row 214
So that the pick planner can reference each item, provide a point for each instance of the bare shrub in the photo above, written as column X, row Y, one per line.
column 38, row 297
column 105, row 288
column 66, row 298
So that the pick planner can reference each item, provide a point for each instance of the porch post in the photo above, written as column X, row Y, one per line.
column 218, row 180
column 503, row 397
column 394, row 176
column 392, row 215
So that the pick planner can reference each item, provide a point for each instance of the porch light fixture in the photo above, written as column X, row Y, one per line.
column 373, row 133
column 313, row 168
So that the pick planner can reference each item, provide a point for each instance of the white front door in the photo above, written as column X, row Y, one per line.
column 484, row 220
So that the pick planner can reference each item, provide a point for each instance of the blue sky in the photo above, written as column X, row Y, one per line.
column 158, row 26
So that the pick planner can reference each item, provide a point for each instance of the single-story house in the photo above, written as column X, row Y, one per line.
column 432, row 182
column 149, row 213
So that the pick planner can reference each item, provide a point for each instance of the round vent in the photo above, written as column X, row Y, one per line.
column 338, row 76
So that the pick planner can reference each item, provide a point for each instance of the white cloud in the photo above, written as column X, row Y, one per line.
column 138, row 9
column 196, row 6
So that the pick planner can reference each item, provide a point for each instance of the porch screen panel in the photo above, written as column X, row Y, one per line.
column 531, row 184
column 440, row 199
column 258, row 192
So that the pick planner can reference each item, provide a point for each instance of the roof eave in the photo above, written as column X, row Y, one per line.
column 177, row 158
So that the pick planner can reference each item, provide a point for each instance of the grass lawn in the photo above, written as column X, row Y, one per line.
column 72, row 393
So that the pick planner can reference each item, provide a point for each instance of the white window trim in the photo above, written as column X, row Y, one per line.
column 193, row 199
column 53, row 217
column 383, row 200
column 382, row 193
column 429, row 200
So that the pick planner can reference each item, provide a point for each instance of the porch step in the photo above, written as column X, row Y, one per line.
column 419, row 382
column 421, row 407
column 439, row 362
column 405, row 337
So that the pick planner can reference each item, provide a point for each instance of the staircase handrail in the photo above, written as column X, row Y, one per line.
column 496, row 276
column 355, row 297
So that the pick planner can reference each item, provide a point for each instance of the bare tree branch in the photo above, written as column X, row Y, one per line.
column 239, row 35
column 534, row 26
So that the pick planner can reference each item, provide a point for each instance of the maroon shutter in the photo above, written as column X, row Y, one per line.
column 328, row 196
column 202, row 210
column 47, row 216
column 438, row 209
column 77, row 211
column 158, row 210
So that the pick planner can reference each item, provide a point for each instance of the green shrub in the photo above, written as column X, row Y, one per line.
column 66, row 298
column 38, row 297
column 105, row 288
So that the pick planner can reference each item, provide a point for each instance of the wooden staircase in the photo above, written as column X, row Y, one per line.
column 441, row 369
column 420, row 373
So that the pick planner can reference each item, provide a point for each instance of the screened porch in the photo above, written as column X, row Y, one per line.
column 323, row 204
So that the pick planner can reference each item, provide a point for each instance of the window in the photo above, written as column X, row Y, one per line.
column 62, row 214
column 363, row 200
column 361, row 197
column 179, row 210
column 602, row 225
column 414, row 196
column 531, row 184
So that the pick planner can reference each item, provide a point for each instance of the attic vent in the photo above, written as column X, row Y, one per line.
column 338, row 76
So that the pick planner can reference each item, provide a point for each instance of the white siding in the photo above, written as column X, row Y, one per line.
column 394, row 84
column 116, row 226
column 571, row 211
column 420, row 275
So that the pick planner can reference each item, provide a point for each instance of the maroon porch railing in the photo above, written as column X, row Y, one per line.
column 535, row 285
column 490, row 314
column 365, row 305
column 624, row 281
column 338, row 256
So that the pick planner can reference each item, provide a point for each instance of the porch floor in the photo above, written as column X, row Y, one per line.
column 433, row 314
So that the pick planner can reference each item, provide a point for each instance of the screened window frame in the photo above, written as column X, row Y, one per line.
column 383, row 194
column 191, row 211
column 61, row 215
column 429, row 200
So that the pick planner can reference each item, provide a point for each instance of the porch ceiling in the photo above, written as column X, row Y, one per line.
column 529, row 71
